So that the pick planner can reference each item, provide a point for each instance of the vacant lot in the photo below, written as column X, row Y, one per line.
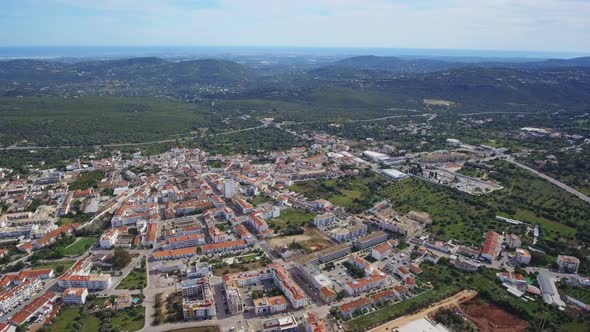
column 491, row 318
column 355, row 194
column 135, row 280
column 311, row 240
column 80, row 246
column 290, row 218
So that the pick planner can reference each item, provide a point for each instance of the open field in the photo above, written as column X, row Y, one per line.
column 455, row 214
column 290, row 218
column 129, row 319
column 56, row 266
column 438, row 102
column 136, row 279
column 311, row 240
column 80, row 246
column 491, row 318
column 355, row 194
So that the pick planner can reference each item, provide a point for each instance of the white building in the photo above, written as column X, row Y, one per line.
column 109, row 238
column 11, row 298
column 325, row 219
column 75, row 296
column 568, row 264
column 229, row 189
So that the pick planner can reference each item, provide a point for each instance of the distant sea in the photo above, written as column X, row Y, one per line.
column 48, row 52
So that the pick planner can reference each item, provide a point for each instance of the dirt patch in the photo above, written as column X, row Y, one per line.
column 491, row 318
column 311, row 240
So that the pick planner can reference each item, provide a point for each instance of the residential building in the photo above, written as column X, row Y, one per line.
column 280, row 324
column 371, row 239
column 513, row 241
column 347, row 309
column 322, row 220
column 174, row 253
column 568, row 264
column 491, row 246
column 229, row 188
column 522, row 257
column 212, row 248
column 183, row 241
column 270, row 305
column 75, row 296
column 11, row 298
column 382, row 250
column 328, row 295
column 313, row 323
column 198, row 301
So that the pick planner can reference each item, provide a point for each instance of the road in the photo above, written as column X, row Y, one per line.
column 460, row 297
column 552, row 180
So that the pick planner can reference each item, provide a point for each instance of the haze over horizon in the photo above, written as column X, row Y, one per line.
column 542, row 26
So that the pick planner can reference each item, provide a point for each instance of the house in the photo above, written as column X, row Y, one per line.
column 359, row 305
column 522, row 257
column 109, row 238
column 313, row 323
column 328, row 295
column 383, row 296
column 270, row 305
column 382, row 250
column 513, row 241
column 75, row 296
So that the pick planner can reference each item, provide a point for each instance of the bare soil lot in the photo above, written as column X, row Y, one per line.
column 491, row 318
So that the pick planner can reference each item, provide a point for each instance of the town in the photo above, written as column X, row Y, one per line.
column 189, row 239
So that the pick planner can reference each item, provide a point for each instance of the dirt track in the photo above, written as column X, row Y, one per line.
column 454, row 300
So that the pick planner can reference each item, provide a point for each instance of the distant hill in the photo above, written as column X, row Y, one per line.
column 398, row 65
column 150, row 70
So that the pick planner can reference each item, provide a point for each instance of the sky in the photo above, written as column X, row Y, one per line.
column 531, row 25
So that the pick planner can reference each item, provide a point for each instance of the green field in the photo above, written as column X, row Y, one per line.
column 290, row 218
column 455, row 214
column 355, row 194
column 80, row 246
column 136, row 279
column 129, row 319
column 65, row 320
column 71, row 319
column 58, row 266
column 87, row 180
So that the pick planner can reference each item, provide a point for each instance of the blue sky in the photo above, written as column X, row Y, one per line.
column 533, row 25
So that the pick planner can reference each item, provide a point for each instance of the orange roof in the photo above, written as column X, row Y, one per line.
column 222, row 245
column 151, row 232
column 327, row 292
column 175, row 252
column 354, row 305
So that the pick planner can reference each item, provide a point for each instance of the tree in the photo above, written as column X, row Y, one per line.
column 121, row 258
